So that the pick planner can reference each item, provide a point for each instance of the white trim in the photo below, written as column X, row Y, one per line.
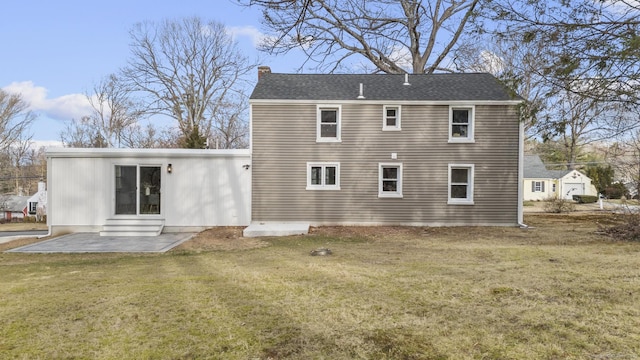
column 398, row 125
column 142, row 153
column 338, row 109
column 386, row 102
column 324, row 166
column 470, row 125
column 250, row 128
column 521, row 174
column 470, row 187
column 537, row 185
column 137, row 164
column 390, row 194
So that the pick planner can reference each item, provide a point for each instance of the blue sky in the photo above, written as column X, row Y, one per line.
column 54, row 51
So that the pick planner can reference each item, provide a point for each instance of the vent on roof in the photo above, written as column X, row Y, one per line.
column 406, row 79
column 361, row 96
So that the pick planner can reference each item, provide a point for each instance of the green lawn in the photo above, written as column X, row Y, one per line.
column 557, row 291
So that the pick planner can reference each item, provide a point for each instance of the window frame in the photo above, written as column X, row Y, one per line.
column 398, row 125
column 33, row 207
column 470, row 185
column 323, row 185
column 538, row 186
column 338, row 109
column 399, row 180
column 470, row 138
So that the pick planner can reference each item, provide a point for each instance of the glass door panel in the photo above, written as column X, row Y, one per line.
column 126, row 179
column 149, row 189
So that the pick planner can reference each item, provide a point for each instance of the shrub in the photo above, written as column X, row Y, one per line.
column 558, row 205
column 629, row 230
column 615, row 191
column 585, row 199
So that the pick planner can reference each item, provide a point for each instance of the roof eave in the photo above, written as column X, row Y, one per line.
column 376, row 102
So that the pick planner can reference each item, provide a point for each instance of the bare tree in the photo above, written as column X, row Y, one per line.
column 516, row 64
column 19, row 153
column 395, row 36
column 149, row 136
column 230, row 131
column 15, row 119
column 82, row 133
column 113, row 110
column 182, row 68
column 590, row 40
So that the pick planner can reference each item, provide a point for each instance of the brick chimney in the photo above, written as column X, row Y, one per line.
column 263, row 70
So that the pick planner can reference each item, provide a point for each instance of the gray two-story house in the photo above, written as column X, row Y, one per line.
column 435, row 150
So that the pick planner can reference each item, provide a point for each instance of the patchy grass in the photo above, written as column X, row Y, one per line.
column 555, row 290
column 23, row 226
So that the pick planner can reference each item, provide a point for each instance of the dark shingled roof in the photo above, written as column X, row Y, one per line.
column 534, row 168
column 432, row 87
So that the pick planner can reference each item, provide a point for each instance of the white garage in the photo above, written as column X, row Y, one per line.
column 541, row 183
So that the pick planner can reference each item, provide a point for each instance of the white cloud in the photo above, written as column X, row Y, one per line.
column 37, row 144
column 257, row 37
column 402, row 57
column 66, row 107
column 491, row 63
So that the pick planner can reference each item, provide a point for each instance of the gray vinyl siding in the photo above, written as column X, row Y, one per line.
column 284, row 140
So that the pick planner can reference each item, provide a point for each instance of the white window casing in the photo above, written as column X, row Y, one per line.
column 323, row 176
column 462, row 123
column 538, row 186
column 390, row 180
column 391, row 117
column 329, row 123
column 461, row 184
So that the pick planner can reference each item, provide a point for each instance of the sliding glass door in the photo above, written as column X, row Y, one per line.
column 137, row 190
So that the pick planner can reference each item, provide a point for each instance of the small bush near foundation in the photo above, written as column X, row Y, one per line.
column 585, row 199
column 557, row 205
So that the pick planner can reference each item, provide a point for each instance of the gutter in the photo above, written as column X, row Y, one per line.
column 521, row 179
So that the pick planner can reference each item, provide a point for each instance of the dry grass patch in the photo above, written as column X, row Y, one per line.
column 22, row 226
column 555, row 291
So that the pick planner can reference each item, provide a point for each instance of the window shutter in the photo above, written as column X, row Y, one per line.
column 533, row 186
column 543, row 185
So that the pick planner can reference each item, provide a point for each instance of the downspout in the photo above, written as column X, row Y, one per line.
column 521, row 177
column 47, row 234
column 47, row 188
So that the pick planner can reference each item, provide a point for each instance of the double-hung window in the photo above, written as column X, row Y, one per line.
column 461, row 123
column 390, row 180
column 328, row 123
column 323, row 176
column 461, row 184
column 391, row 117
column 538, row 186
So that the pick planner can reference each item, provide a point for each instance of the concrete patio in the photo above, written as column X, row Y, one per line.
column 94, row 243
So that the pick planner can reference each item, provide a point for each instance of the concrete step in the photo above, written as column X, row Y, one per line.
column 275, row 228
column 132, row 227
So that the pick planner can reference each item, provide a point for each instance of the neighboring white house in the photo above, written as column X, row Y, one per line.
column 541, row 183
column 37, row 203
column 147, row 191
column 17, row 207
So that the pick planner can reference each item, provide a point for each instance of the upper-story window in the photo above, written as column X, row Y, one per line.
column 461, row 123
column 391, row 117
column 328, row 123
